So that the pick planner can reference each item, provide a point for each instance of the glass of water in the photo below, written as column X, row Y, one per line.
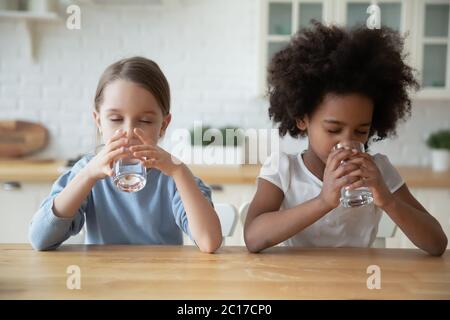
column 130, row 174
column 356, row 197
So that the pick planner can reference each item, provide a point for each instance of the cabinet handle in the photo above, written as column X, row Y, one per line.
column 11, row 185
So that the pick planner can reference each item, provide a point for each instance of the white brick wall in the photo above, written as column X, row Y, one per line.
column 208, row 50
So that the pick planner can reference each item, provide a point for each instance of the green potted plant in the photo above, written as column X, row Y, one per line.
column 439, row 143
column 224, row 145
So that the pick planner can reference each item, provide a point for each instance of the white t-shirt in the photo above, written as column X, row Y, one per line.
column 341, row 227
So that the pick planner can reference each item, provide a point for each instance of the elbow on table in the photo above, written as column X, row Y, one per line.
column 210, row 245
column 439, row 249
column 39, row 243
column 253, row 245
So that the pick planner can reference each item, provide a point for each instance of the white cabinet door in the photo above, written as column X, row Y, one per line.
column 437, row 202
column 20, row 201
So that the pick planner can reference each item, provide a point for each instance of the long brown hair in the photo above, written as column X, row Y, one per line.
column 141, row 71
column 145, row 73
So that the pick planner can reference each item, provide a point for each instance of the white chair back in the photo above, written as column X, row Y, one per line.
column 228, row 218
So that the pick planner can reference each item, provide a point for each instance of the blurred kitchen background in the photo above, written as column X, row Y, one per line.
column 214, row 54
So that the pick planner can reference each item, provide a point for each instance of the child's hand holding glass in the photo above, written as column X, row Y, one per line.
column 336, row 176
column 369, row 176
column 115, row 148
column 153, row 156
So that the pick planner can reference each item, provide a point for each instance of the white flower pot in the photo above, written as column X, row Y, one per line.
column 440, row 160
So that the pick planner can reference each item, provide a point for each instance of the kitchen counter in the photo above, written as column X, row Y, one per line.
column 31, row 170
column 49, row 170
column 169, row 272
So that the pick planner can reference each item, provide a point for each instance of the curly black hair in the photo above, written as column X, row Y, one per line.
column 322, row 59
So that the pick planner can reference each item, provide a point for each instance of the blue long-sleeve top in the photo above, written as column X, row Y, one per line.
column 153, row 215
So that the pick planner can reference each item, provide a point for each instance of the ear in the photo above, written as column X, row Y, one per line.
column 302, row 124
column 165, row 124
column 97, row 120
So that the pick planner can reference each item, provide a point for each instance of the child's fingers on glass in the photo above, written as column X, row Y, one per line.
column 358, row 184
column 150, row 162
column 140, row 147
column 332, row 154
column 138, row 131
column 345, row 169
column 346, row 181
column 116, row 144
column 147, row 154
column 116, row 136
column 115, row 154
column 362, row 162
column 338, row 157
column 108, row 171
column 140, row 134
column 358, row 173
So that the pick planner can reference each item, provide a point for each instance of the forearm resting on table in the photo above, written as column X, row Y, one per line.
column 271, row 228
column 203, row 221
column 420, row 227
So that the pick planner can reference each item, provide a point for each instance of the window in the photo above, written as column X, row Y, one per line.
column 426, row 23
column 390, row 12
column 281, row 19
column 434, row 45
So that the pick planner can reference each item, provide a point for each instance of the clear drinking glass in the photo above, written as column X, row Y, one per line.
column 130, row 174
column 360, row 196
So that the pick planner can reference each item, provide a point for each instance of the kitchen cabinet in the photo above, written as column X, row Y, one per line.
column 425, row 21
column 280, row 20
column 20, row 200
column 28, row 14
column 432, row 42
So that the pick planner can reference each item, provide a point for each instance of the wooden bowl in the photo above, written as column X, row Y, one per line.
column 21, row 138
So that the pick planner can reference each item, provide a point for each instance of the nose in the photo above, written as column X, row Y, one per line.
column 348, row 136
column 130, row 134
column 128, row 128
column 132, row 137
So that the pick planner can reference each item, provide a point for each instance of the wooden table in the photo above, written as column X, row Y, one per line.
column 182, row 272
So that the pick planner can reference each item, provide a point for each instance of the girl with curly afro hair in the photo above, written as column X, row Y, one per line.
column 335, row 85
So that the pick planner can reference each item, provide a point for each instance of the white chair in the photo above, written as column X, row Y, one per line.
column 228, row 219
column 386, row 228
column 243, row 209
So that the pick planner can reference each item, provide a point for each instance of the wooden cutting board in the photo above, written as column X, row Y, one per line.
column 21, row 138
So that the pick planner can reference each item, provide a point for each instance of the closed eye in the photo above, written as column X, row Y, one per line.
column 357, row 132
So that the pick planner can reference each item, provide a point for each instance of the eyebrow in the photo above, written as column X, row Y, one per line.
column 119, row 111
column 341, row 123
